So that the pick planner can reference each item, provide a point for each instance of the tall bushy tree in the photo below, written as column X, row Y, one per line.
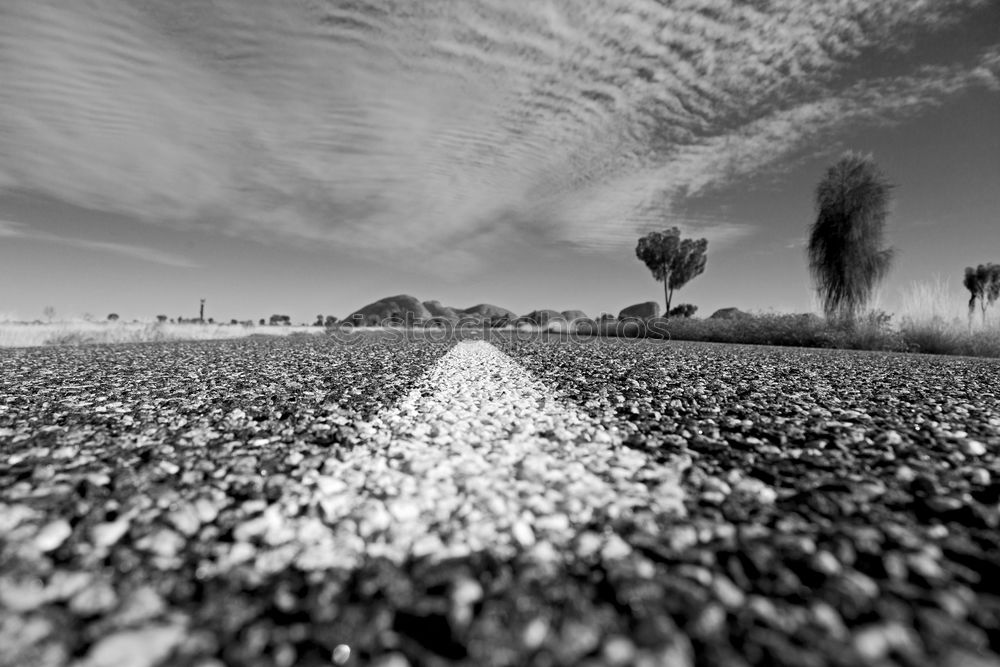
column 672, row 260
column 846, row 254
column 983, row 283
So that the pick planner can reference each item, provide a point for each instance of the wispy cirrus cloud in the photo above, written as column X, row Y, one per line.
column 403, row 128
column 17, row 230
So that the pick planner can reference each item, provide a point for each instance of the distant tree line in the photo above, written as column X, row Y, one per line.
column 273, row 320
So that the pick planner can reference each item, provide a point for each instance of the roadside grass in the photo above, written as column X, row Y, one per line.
column 18, row 334
column 933, row 321
column 795, row 330
column 921, row 331
column 806, row 330
column 930, row 320
column 939, row 337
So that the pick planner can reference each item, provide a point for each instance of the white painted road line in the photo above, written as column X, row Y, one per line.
column 481, row 456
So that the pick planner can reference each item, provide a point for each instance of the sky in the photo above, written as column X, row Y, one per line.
column 308, row 156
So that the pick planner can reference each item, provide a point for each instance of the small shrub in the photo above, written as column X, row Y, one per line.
column 684, row 310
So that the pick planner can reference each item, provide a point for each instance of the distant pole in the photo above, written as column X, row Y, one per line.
column 201, row 314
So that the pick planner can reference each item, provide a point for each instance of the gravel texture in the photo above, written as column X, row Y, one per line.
column 304, row 502
column 843, row 507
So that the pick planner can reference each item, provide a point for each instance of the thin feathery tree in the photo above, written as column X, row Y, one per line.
column 846, row 254
column 975, row 286
column 983, row 283
column 992, row 286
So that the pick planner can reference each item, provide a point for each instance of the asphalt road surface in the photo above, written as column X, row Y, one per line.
column 512, row 502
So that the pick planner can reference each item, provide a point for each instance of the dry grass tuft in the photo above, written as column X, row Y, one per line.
column 934, row 318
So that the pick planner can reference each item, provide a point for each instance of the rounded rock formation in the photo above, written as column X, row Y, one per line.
column 542, row 317
column 640, row 311
column 400, row 309
column 729, row 314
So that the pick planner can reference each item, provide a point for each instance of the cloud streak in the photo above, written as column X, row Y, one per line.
column 403, row 128
column 17, row 230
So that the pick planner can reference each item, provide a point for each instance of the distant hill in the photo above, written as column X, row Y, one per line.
column 642, row 311
column 729, row 314
column 542, row 317
column 403, row 308
column 488, row 310
column 399, row 309
column 437, row 310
